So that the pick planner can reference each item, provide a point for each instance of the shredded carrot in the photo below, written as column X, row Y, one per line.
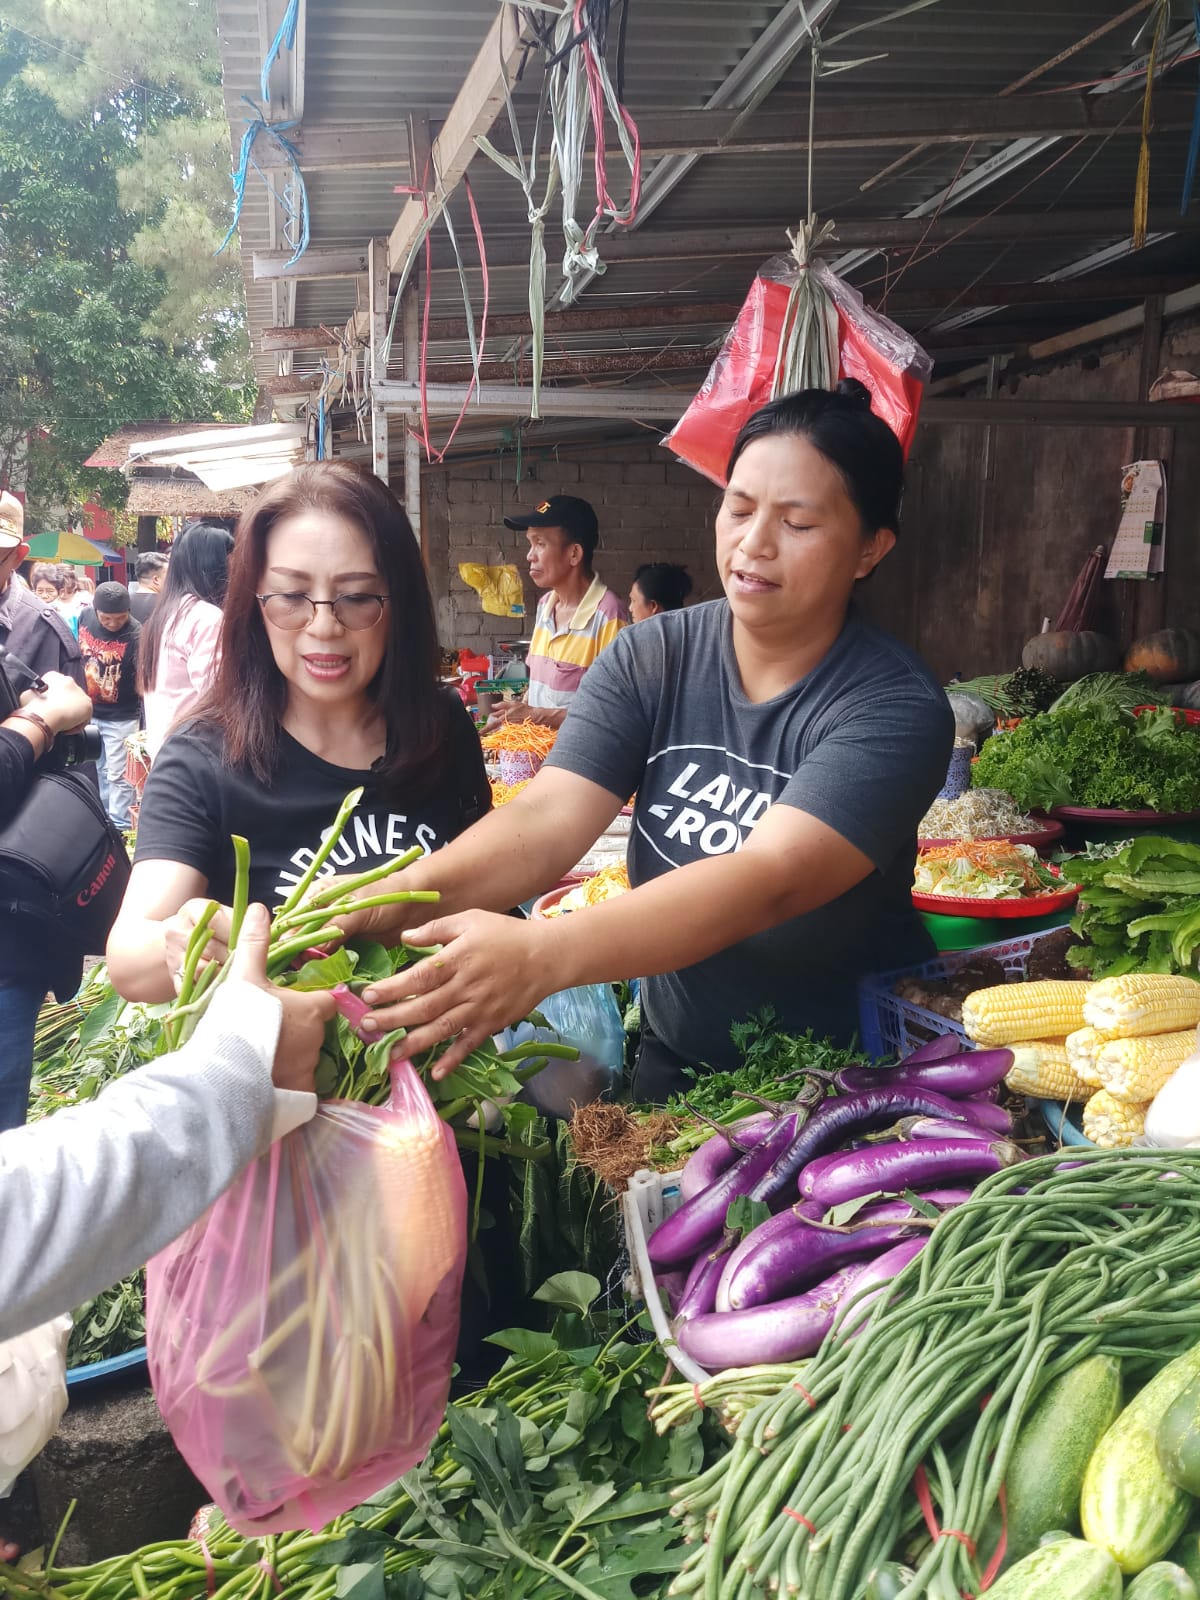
column 502, row 793
column 606, row 883
column 603, row 885
column 983, row 853
column 529, row 737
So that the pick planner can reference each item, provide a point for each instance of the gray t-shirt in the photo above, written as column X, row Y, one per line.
column 862, row 743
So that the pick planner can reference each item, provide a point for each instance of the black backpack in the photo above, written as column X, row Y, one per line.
column 63, row 865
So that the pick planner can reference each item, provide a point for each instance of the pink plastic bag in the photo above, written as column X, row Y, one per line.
column 301, row 1335
column 870, row 347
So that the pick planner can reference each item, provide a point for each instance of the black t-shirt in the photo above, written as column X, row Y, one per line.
column 142, row 603
column 862, row 743
column 110, row 666
column 194, row 802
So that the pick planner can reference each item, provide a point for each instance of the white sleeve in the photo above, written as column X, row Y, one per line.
column 92, row 1192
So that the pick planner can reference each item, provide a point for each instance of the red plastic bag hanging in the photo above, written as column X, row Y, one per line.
column 871, row 348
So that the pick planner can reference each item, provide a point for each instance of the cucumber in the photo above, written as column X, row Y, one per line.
column 1068, row 1569
column 1045, row 1472
column 1178, row 1440
column 1129, row 1506
column 1162, row 1581
column 1185, row 1553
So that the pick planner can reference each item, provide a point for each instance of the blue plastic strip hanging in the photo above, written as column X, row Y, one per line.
column 294, row 197
column 1193, row 155
column 321, row 429
column 285, row 36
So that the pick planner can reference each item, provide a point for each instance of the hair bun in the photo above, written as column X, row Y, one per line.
column 858, row 395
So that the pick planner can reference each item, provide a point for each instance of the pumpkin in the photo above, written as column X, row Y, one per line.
column 1068, row 657
column 1170, row 656
column 1185, row 695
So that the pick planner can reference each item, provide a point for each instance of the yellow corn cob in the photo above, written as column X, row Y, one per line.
column 1112, row 1123
column 1012, row 1013
column 1083, row 1046
column 1134, row 1070
column 1141, row 1003
column 1043, row 1069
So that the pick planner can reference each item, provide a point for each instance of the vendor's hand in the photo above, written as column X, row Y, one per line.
column 62, row 703
column 514, row 711
column 490, row 971
column 177, row 935
column 305, row 1013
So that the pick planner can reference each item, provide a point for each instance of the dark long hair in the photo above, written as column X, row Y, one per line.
column 664, row 583
column 198, row 570
column 248, row 700
column 841, row 425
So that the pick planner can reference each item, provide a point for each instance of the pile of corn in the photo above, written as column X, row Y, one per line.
column 1112, row 1044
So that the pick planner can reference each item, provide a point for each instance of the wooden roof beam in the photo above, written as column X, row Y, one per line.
column 879, row 124
column 761, row 240
column 476, row 107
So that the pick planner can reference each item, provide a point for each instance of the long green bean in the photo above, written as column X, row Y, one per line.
column 1046, row 1264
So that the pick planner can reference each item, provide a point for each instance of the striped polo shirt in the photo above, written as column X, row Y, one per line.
column 561, row 652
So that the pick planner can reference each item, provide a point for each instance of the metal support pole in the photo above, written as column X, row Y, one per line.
column 409, row 322
column 377, row 302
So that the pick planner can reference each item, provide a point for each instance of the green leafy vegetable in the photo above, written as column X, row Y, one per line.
column 1101, row 758
column 1108, row 692
column 776, row 1067
column 110, row 1325
column 1139, row 908
column 550, row 1481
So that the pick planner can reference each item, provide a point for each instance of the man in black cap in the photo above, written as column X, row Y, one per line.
column 578, row 616
column 108, row 642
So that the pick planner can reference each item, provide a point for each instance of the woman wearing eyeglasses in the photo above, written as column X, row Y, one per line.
column 327, row 681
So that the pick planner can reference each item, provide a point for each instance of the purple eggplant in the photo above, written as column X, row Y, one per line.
column 898, row 1210
column 716, row 1155
column 700, row 1291
column 848, row 1116
column 940, row 1128
column 946, row 1044
column 872, row 1282
column 700, row 1221
column 788, row 1255
column 670, row 1288
column 834, row 1179
column 968, row 1072
column 785, row 1331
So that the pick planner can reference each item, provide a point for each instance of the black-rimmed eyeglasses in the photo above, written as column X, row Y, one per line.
column 295, row 611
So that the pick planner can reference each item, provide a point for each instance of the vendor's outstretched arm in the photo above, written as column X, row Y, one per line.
column 493, row 970
column 517, row 851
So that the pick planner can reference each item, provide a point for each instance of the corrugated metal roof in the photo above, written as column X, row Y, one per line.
column 372, row 61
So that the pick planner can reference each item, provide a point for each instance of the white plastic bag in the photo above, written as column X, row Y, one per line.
column 1173, row 1120
column 33, row 1395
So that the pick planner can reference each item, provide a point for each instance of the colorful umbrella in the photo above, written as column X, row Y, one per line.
column 70, row 547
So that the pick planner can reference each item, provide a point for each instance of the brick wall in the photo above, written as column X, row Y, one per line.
column 650, row 509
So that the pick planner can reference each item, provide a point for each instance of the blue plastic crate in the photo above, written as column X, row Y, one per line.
column 889, row 1026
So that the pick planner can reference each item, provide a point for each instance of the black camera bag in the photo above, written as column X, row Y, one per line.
column 63, row 865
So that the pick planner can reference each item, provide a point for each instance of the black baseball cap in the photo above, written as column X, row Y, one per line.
column 574, row 516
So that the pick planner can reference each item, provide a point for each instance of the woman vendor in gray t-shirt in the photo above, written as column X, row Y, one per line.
column 782, row 750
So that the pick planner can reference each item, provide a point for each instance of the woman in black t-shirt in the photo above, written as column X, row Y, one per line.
column 328, row 681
